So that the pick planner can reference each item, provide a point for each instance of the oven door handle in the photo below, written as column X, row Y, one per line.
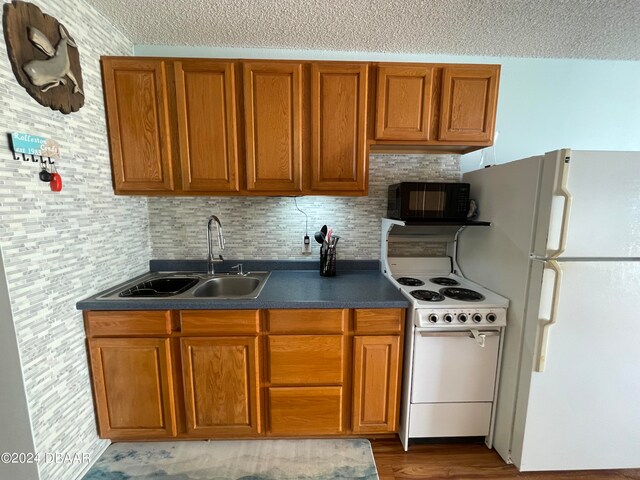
column 478, row 335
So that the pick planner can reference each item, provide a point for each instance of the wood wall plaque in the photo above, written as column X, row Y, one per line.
column 44, row 57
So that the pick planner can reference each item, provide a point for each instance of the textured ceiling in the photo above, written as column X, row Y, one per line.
column 599, row 29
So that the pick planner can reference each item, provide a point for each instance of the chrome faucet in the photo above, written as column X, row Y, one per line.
column 210, row 258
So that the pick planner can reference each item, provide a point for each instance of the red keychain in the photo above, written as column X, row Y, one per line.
column 56, row 180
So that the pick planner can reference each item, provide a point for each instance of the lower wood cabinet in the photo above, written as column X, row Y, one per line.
column 245, row 373
column 376, row 367
column 220, row 377
column 132, row 382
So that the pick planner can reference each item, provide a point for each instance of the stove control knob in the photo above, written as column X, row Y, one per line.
column 448, row 318
column 433, row 318
column 491, row 317
column 462, row 317
column 477, row 317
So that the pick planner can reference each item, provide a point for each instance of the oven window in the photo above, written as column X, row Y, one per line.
column 427, row 201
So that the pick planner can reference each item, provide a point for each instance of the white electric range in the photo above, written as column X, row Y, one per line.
column 442, row 299
column 453, row 347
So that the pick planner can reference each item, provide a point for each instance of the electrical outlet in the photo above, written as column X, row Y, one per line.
column 306, row 246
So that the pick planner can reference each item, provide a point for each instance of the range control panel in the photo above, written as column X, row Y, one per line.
column 495, row 317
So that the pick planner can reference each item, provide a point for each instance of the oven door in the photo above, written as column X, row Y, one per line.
column 454, row 366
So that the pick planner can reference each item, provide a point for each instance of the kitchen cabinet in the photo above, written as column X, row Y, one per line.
column 138, row 119
column 441, row 106
column 469, row 100
column 207, row 134
column 376, row 370
column 132, row 376
column 220, row 381
column 339, row 158
column 403, row 104
column 273, row 126
column 245, row 373
column 270, row 127
column 132, row 381
column 306, row 371
column 220, row 372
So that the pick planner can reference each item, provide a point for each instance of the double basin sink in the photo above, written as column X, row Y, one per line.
column 192, row 285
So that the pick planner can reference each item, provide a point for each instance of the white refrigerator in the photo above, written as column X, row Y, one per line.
column 564, row 247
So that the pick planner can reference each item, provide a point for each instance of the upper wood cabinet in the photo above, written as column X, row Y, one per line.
column 403, row 105
column 339, row 157
column 206, row 114
column 469, row 100
column 440, row 106
column 138, row 120
column 273, row 126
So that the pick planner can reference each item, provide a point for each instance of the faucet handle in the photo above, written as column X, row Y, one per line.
column 239, row 267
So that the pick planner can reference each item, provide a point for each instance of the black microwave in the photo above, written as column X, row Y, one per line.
column 428, row 201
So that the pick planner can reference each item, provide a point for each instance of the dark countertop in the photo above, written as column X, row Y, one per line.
column 301, row 288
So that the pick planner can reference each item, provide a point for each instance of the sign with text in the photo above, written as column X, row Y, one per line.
column 34, row 145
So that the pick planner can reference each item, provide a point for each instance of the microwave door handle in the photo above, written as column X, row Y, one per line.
column 562, row 190
column 547, row 323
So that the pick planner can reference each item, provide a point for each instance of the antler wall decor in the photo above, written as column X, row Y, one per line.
column 50, row 74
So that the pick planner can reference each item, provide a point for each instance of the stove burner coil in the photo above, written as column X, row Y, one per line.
column 427, row 295
column 444, row 281
column 462, row 294
column 410, row 282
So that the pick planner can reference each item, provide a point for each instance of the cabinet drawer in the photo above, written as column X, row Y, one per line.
column 306, row 359
column 127, row 323
column 220, row 322
column 450, row 419
column 307, row 321
column 385, row 320
column 305, row 410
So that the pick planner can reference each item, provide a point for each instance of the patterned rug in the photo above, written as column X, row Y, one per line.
column 237, row 460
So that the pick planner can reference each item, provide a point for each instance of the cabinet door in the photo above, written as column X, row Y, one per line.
column 376, row 384
column 132, row 381
column 469, row 101
column 339, row 113
column 403, row 105
column 206, row 102
column 221, row 385
column 273, row 126
column 137, row 116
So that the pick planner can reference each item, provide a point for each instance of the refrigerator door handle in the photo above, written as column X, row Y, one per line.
column 547, row 323
column 563, row 191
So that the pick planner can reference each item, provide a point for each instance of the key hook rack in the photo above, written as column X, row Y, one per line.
column 38, row 150
column 24, row 158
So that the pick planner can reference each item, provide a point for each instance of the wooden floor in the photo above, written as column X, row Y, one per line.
column 466, row 461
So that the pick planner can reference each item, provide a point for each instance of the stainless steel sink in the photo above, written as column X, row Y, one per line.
column 189, row 285
column 159, row 287
column 232, row 286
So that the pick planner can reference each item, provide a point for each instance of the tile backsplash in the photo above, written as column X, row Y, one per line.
column 61, row 247
column 272, row 227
